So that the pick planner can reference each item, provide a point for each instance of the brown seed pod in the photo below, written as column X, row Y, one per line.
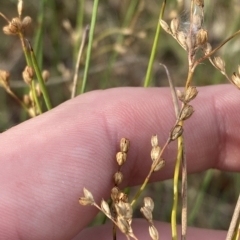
column 176, row 132
column 124, row 145
column 154, row 141
column 236, row 80
column 155, row 153
column 153, row 232
column 174, row 25
column 190, row 94
column 219, row 64
column 186, row 112
column 121, row 158
column 118, row 178
column 165, row 26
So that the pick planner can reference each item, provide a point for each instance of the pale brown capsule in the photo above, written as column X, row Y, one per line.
column 4, row 78
column 26, row 22
column 236, row 80
column 155, row 153
column 159, row 166
column 124, row 145
column 202, row 37
column 26, row 100
column 121, row 158
column 114, row 193
column 123, row 225
column 105, row 208
column 176, row 132
column 7, row 31
column 181, row 36
column 148, row 202
column 28, row 74
column 147, row 213
column 239, row 69
column 45, row 75
column 190, row 94
column 88, row 195
column 153, row 232
column 118, row 178
column 207, row 48
column 219, row 63
column 154, row 141
column 15, row 25
column 174, row 26
column 180, row 95
column 186, row 112
column 165, row 26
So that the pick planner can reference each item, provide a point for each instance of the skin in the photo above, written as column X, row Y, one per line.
column 46, row 161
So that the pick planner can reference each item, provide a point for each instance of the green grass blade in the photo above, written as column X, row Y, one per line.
column 154, row 48
column 89, row 49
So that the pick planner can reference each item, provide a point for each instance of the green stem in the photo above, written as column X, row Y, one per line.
column 154, row 48
column 201, row 194
column 89, row 49
column 36, row 100
column 40, row 80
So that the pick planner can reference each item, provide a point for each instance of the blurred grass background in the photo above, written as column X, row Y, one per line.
column 122, row 44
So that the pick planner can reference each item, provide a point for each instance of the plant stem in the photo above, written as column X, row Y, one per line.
column 234, row 222
column 89, row 49
column 154, row 48
column 40, row 80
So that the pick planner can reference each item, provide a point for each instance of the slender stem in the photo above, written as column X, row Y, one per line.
column 131, row 9
column 36, row 100
column 235, row 220
column 175, row 189
column 215, row 49
column 154, row 48
column 89, row 49
column 40, row 79
column 149, row 174
column 84, row 38
column 200, row 196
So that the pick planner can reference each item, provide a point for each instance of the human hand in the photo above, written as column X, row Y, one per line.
column 46, row 161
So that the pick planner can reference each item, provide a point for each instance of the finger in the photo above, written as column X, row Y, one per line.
column 140, row 230
column 48, row 160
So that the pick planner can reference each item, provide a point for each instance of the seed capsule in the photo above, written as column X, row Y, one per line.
column 176, row 132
